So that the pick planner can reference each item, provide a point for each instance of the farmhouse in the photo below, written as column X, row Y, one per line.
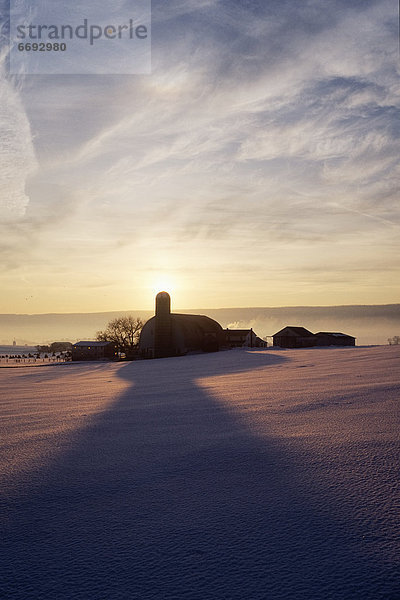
column 239, row 338
column 89, row 350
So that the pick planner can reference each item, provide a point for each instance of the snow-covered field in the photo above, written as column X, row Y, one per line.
column 242, row 475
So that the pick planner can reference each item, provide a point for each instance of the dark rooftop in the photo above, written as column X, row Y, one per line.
column 302, row 331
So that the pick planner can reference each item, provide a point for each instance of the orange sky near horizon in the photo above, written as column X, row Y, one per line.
column 256, row 166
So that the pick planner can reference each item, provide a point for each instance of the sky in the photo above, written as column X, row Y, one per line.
column 257, row 165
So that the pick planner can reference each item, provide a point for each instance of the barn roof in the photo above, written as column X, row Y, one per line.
column 334, row 334
column 301, row 331
column 93, row 344
column 192, row 323
column 238, row 331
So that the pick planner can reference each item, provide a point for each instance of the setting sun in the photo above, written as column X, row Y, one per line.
column 162, row 283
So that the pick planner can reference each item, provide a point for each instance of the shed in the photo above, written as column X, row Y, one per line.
column 91, row 350
column 328, row 338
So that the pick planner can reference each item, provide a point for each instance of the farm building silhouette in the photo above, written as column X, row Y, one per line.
column 300, row 337
column 93, row 350
column 172, row 334
column 169, row 334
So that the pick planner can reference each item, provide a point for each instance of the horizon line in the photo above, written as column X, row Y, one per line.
column 204, row 308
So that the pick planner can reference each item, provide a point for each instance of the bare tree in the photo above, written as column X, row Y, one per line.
column 124, row 332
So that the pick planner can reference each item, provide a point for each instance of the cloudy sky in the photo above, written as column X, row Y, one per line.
column 258, row 165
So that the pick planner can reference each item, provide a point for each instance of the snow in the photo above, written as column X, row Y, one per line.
column 251, row 475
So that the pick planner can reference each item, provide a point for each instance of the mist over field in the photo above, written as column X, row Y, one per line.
column 370, row 324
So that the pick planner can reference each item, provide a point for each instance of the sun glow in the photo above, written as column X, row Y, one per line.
column 163, row 283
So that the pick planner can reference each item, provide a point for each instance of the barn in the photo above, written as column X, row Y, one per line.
column 294, row 337
column 170, row 334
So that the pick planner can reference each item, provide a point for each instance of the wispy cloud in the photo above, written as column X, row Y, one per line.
column 17, row 154
column 266, row 130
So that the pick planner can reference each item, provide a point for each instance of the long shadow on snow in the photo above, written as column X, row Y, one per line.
column 168, row 495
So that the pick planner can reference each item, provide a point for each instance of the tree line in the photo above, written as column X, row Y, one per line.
column 55, row 347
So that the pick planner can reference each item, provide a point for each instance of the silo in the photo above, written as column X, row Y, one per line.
column 163, row 326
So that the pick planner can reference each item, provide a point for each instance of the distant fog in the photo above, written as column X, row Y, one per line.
column 369, row 324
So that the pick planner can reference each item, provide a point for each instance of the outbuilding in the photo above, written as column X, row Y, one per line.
column 89, row 350
column 294, row 337
column 328, row 338
column 241, row 338
column 300, row 337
